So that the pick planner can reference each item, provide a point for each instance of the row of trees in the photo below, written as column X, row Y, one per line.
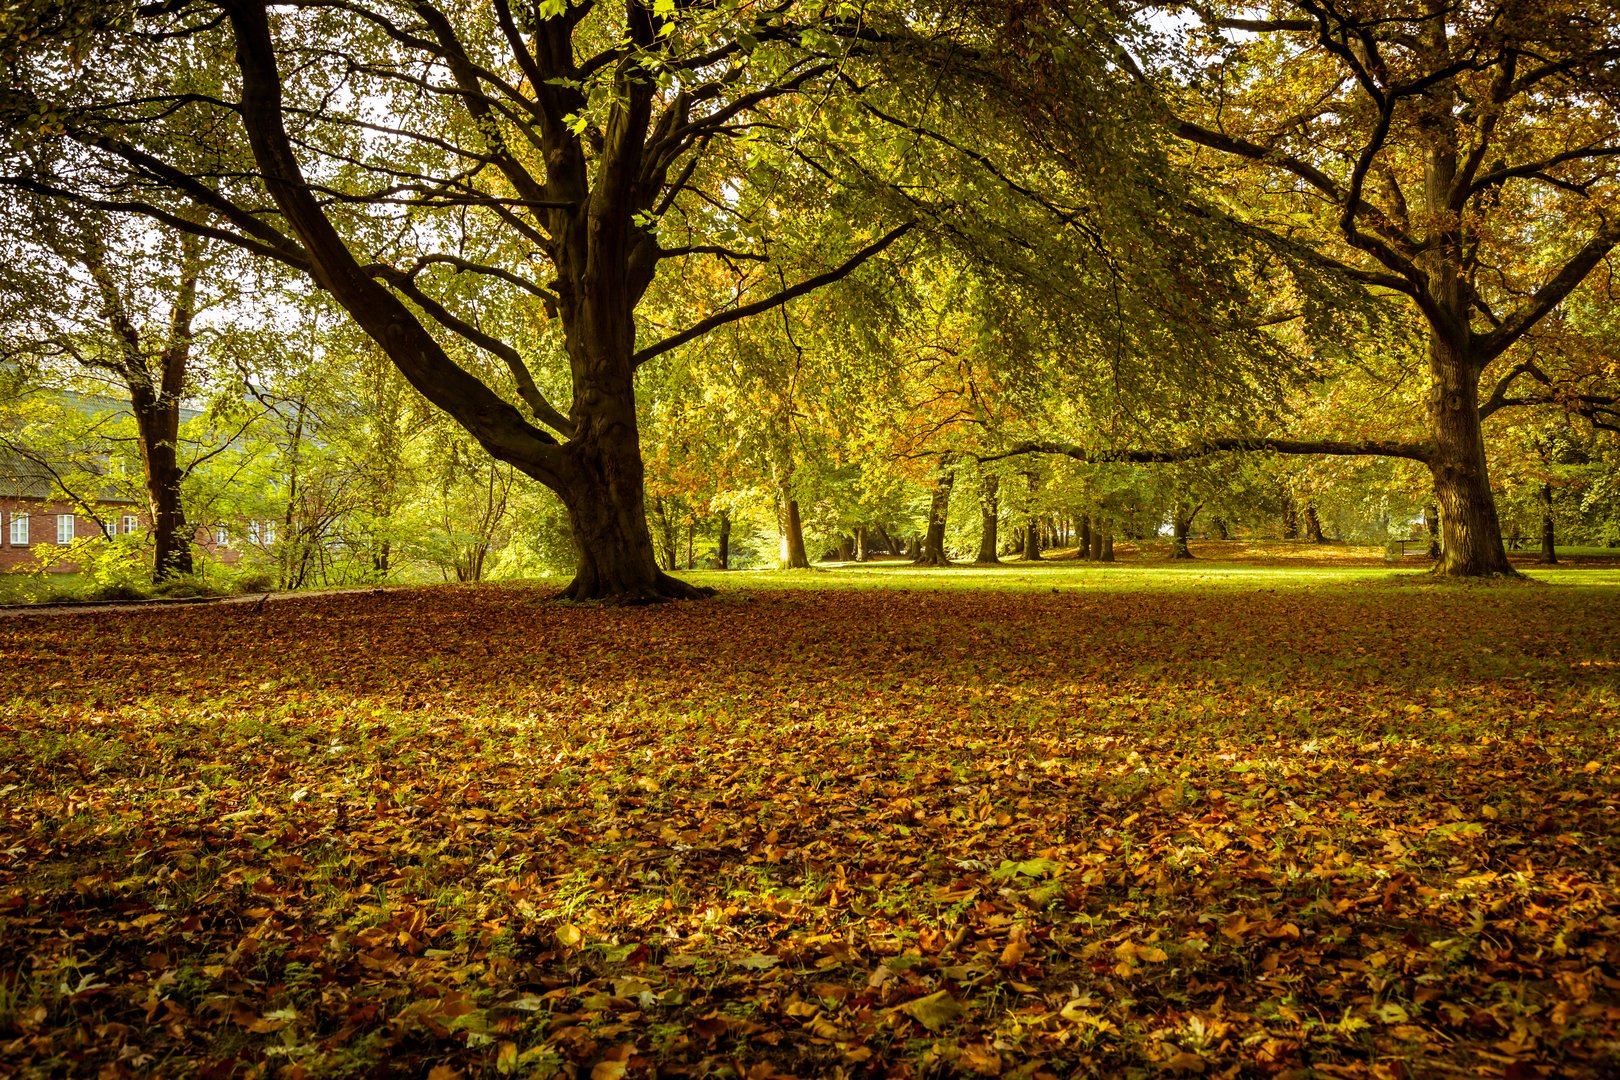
column 607, row 237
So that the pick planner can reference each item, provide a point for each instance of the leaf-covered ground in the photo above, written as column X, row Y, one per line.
column 1260, row 823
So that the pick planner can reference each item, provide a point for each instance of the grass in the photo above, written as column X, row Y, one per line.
column 1039, row 821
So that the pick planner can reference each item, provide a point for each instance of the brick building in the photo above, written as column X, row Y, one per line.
column 36, row 523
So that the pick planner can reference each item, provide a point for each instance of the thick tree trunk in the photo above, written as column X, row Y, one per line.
column 1181, row 520
column 723, row 549
column 1472, row 545
column 157, row 421
column 1032, row 543
column 1431, row 522
column 939, row 509
column 1313, row 525
column 1549, row 535
column 1290, row 524
column 862, row 544
column 605, row 499
column 792, row 534
column 989, row 519
column 1107, row 546
column 1083, row 548
column 1097, row 535
column 846, row 549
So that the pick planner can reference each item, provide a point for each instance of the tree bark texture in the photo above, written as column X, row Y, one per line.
column 1032, row 543
column 989, row 519
column 1083, row 548
column 791, row 529
column 1098, row 532
column 1471, row 544
column 1107, row 545
column 939, row 509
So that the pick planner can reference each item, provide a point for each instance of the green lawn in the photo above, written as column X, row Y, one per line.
column 1045, row 821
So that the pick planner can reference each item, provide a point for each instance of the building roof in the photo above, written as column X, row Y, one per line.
column 26, row 475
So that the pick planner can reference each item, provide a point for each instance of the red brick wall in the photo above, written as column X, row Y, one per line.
column 42, row 526
column 42, row 517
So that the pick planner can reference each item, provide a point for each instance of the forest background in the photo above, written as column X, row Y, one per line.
column 738, row 284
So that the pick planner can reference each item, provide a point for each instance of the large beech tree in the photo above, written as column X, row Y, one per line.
column 558, row 152
column 1460, row 157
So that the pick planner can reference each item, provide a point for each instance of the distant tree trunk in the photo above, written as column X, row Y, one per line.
column 723, row 552
column 1098, row 532
column 1431, row 522
column 846, row 549
column 1221, row 530
column 1290, row 524
column 1032, row 543
column 913, row 548
column 1181, row 524
column 691, row 558
column 792, row 529
column 667, row 539
column 1313, row 525
column 1083, row 548
column 989, row 518
column 939, row 508
column 862, row 551
column 1108, row 545
column 1549, row 547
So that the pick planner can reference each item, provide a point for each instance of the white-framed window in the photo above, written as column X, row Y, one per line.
column 253, row 532
column 19, row 529
column 64, row 528
column 221, row 537
column 269, row 532
column 130, row 522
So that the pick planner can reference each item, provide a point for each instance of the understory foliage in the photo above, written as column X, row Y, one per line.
column 1042, row 828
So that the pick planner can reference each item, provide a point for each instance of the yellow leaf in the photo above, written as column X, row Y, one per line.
column 934, row 1012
